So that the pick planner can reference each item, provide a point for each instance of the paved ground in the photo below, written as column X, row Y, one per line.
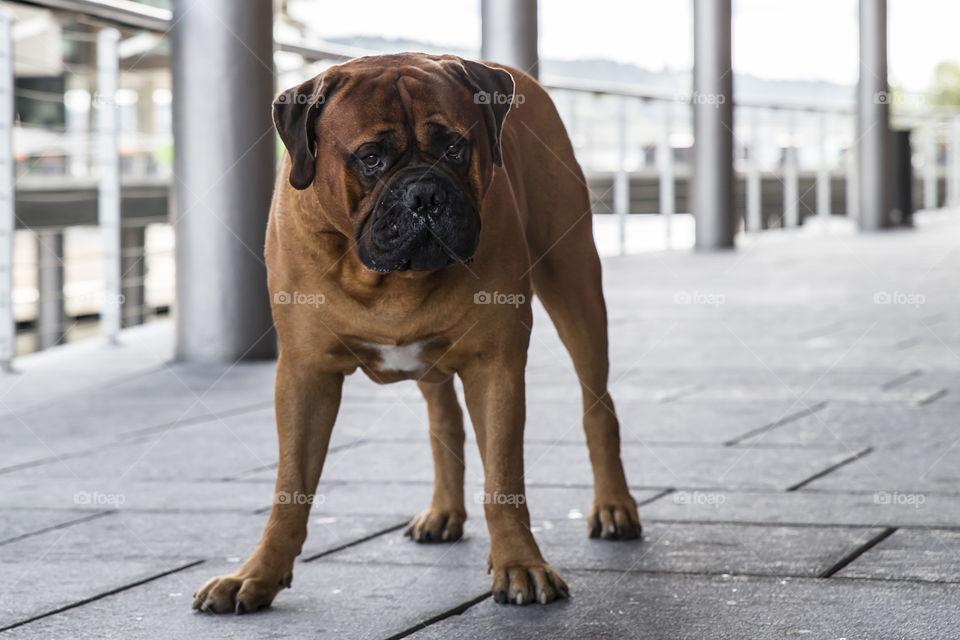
column 791, row 419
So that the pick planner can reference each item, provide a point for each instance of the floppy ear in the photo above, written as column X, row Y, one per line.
column 295, row 113
column 493, row 90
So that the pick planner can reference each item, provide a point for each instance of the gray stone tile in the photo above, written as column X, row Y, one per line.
column 671, row 548
column 911, row 554
column 857, row 425
column 676, row 418
column 98, row 492
column 88, row 558
column 646, row 466
column 328, row 600
column 867, row 508
column 16, row 524
column 915, row 467
column 618, row 605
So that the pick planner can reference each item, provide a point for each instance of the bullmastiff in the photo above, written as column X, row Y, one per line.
column 417, row 193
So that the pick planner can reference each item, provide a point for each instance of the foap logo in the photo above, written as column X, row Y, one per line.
column 899, row 99
column 98, row 499
column 899, row 298
column 101, row 298
column 699, row 297
column 713, row 99
column 496, row 97
column 486, row 297
column 298, row 297
column 300, row 98
column 897, row 499
column 700, row 499
column 285, row 497
column 496, row 497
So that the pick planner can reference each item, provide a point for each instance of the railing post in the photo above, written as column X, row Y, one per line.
column 930, row 169
column 754, row 182
column 953, row 175
column 665, row 170
column 108, row 179
column 621, row 179
column 8, row 327
column 133, row 271
column 823, row 174
column 853, row 180
column 51, row 317
column 791, row 180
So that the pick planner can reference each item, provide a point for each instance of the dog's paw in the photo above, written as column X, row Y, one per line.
column 237, row 594
column 615, row 520
column 528, row 584
column 435, row 525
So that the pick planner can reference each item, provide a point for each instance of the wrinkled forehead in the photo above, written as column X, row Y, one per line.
column 403, row 102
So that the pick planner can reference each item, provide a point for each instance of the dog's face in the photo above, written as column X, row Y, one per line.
column 400, row 151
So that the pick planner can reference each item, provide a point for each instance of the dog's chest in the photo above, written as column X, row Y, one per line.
column 403, row 358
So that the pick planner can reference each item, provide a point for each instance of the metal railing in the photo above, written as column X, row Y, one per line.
column 793, row 162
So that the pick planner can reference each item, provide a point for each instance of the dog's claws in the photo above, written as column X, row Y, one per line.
column 241, row 608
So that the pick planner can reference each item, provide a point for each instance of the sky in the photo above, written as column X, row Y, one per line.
column 778, row 39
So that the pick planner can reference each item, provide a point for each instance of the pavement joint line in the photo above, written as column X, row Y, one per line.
column 455, row 611
column 890, row 384
column 70, row 395
column 610, row 570
column 100, row 596
column 806, row 411
column 677, row 394
column 859, row 551
column 823, row 330
column 933, row 397
column 357, row 541
column 907, row 343
column 767, row 523
column 273, row 465
column 61, row 525
column 128, row 438
column 656, row 497
column 820, row 474
column 186, row 422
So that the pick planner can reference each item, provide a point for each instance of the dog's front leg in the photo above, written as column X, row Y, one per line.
column 493, row 386
column 306, row 407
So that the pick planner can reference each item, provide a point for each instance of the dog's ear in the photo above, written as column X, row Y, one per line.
column 493, row 90
column 295, row 113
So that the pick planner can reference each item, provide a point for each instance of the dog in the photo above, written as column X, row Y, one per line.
column 412, row 186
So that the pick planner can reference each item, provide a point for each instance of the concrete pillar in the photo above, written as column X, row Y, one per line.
column 873, row 117
column 509, row 33
column 224, row 160
column 712, row 125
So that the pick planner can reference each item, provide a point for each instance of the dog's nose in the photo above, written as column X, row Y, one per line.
column 424, row 194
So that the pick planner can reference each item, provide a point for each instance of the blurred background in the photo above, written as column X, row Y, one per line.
column 621, row 74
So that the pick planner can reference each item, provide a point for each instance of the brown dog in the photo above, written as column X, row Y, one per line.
column 394, row 165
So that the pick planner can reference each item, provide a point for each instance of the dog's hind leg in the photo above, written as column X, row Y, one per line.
column 443, row 521
column 566, row 278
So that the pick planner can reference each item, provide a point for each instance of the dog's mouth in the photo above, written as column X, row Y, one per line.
column 419, row 226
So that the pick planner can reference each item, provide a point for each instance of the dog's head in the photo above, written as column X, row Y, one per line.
column 400, row 151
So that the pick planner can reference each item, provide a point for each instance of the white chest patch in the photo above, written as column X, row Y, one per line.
column 399, row 358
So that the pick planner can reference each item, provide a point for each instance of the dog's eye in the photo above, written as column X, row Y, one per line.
column 371, row 160
column 454, row 150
